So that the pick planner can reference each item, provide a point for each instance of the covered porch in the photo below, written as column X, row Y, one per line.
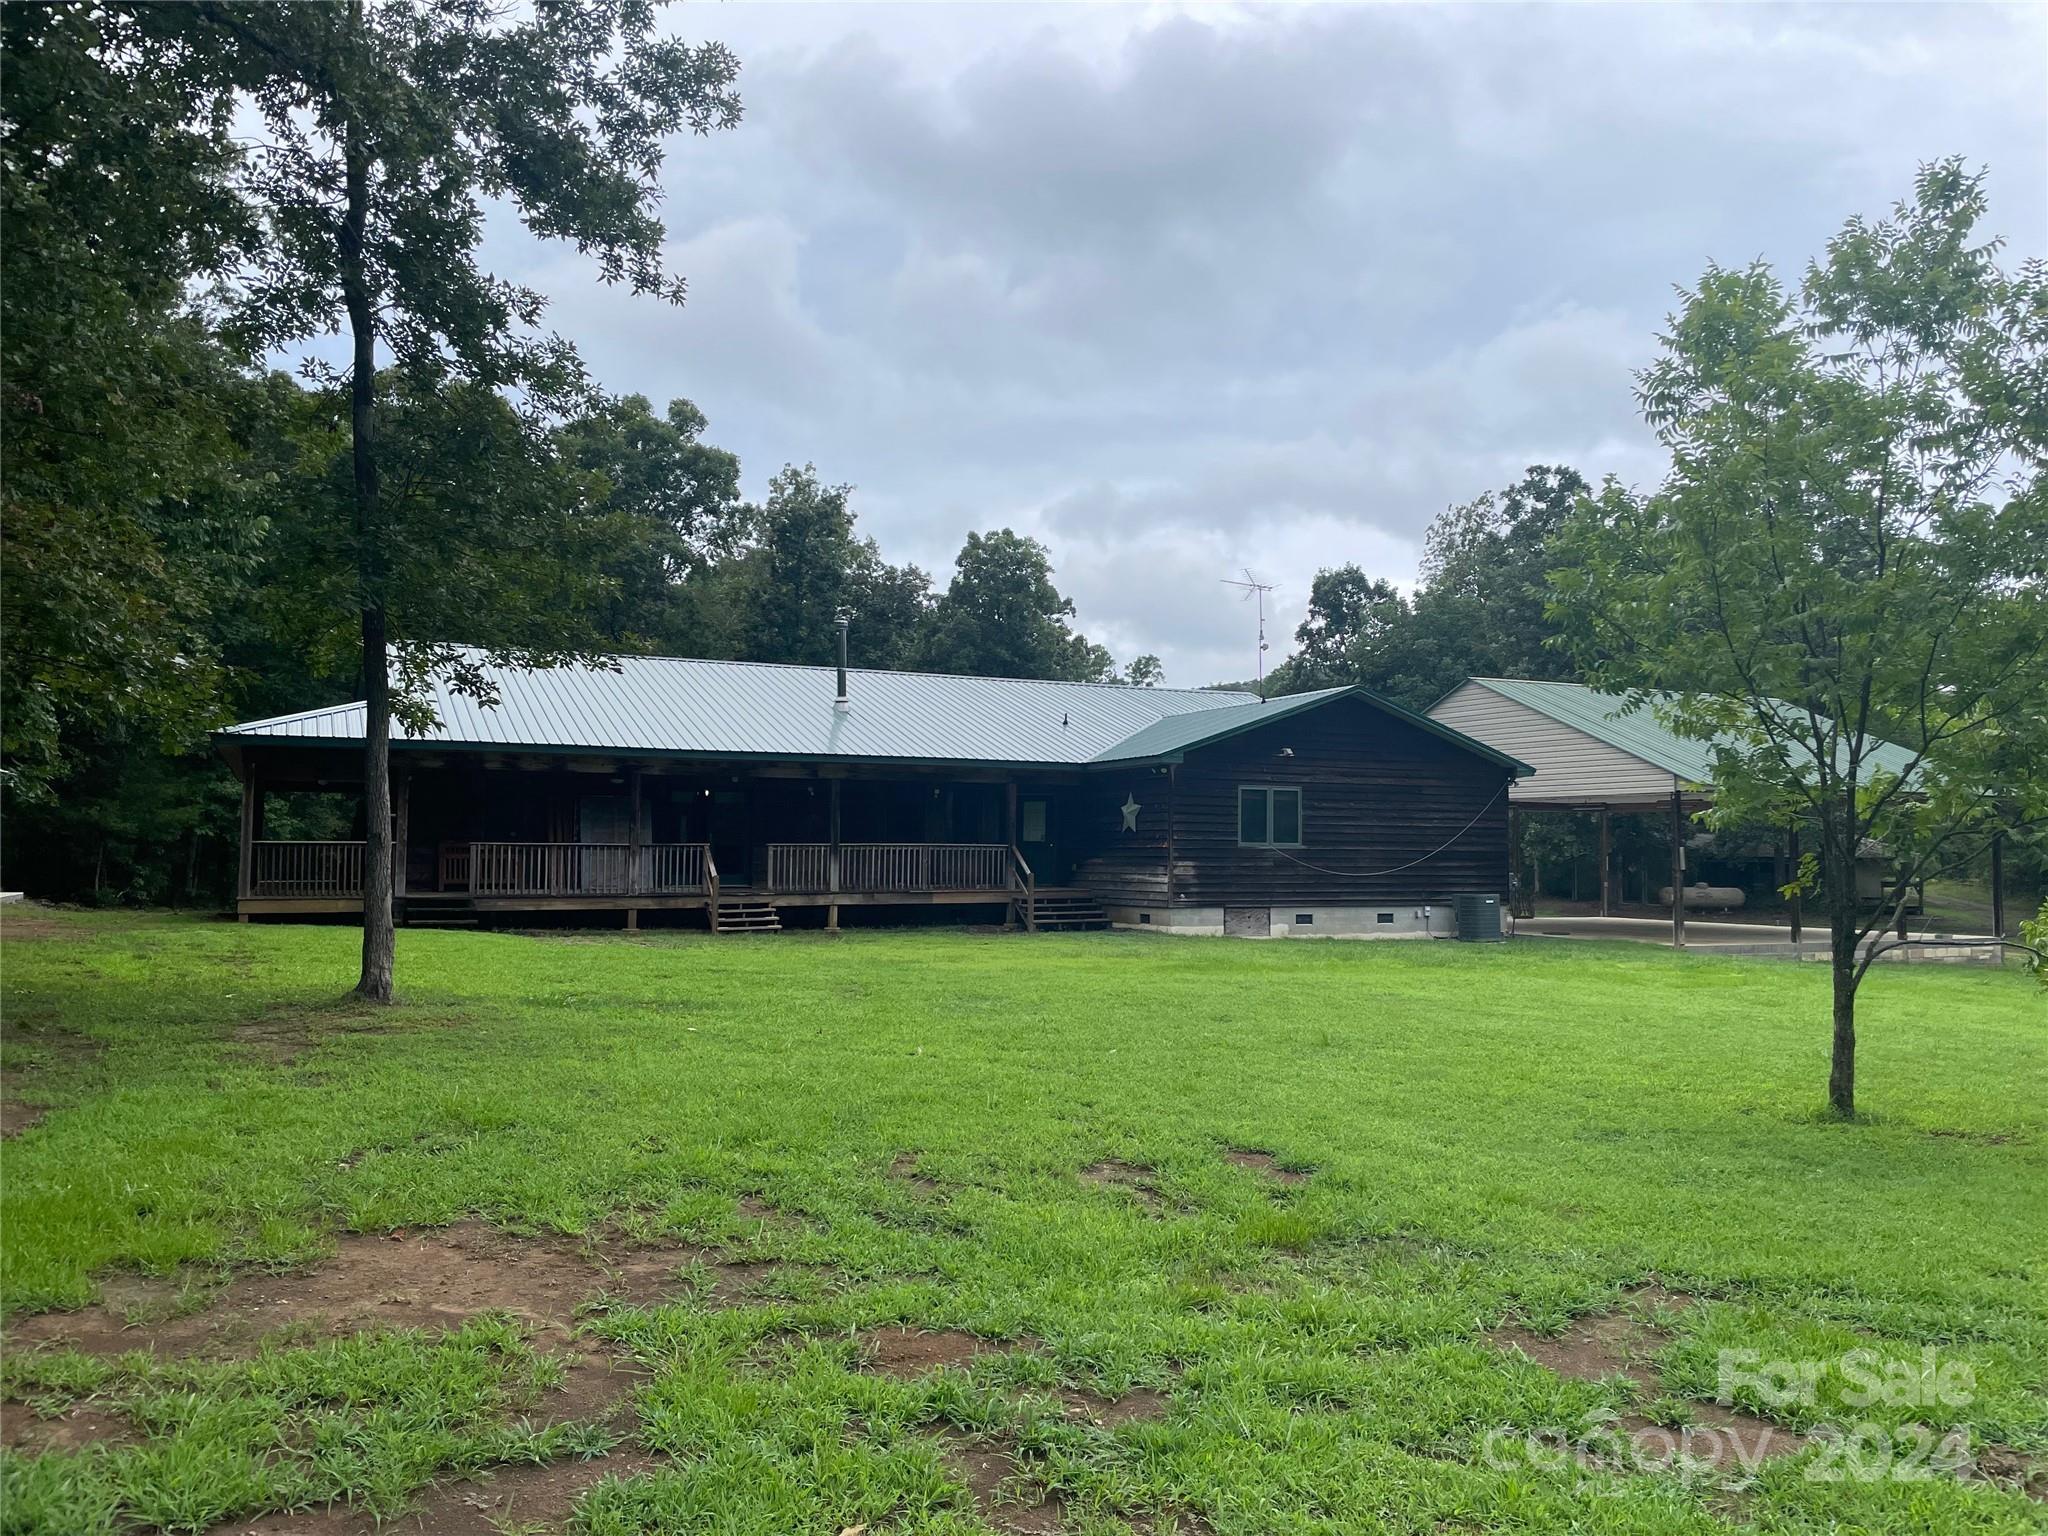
column 480, row 834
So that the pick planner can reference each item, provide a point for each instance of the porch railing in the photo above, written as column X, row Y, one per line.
column 800, row 868
column 888, row 868
column 309, row 869
column 305, row 869
column 588, row 869
column 675, row 867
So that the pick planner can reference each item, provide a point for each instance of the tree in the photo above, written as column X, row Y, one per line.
column 1493, row 553
column 1346, row 608
column 125, row 423
column 678, row 501
column 1851, row 549
column 1145, row 671
column 1478, row 610
column 1001, row 616
column 889, row 606
column 385, row 125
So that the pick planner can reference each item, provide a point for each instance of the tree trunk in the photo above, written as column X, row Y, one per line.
column 1842, row 1065
column 379, row 939
column 1841, row 891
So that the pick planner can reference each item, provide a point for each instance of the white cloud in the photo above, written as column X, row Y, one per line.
column 1181, row 292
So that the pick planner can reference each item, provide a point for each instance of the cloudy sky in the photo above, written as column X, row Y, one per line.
column 1180, row 292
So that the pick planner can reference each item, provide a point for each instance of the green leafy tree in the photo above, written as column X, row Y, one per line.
column 889, row 606
column 1487, row 561
column 1001, row 616
column 1478, row 610
column 385, row 126
column 124, row 425
column 1347, row 609
column 1849, row 550
column 1146, row 671
column 677, row 500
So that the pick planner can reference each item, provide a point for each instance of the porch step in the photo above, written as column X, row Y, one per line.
column 745, row 917
column 439, row 910
column 1067, row 909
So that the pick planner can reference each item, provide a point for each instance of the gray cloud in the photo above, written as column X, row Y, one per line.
column 1184, row 292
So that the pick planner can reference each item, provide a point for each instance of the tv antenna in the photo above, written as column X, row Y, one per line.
column 1256, row 590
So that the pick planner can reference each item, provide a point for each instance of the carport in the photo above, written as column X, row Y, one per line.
column 1590, row 756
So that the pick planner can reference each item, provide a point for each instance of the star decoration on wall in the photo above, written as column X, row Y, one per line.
column 1130, row 810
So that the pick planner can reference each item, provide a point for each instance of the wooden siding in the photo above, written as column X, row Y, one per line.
column 1123, row 867
column 1569, row 764
column 1377, row 792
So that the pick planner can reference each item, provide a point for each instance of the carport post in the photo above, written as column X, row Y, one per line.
column 1792, row 854
column 1606, row 862
column 1677, row 870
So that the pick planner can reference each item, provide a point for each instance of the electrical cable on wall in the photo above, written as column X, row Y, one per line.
column 1348, row 874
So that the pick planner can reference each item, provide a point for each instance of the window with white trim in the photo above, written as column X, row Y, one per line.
column 1269, row 816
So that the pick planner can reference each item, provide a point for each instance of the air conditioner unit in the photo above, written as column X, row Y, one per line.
column 1478, row 918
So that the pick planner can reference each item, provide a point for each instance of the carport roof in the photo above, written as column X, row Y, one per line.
column 1639, row 732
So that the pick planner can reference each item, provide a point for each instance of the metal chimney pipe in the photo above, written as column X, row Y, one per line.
column 840, row 701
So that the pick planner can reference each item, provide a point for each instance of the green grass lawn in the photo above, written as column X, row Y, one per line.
column 1518, row 1135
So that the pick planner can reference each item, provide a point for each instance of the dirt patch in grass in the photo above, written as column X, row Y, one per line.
column 18, row 1115
column 2013, row 1469
column 285, row 1037
column 512, row 1498
column 1605, row 1345
column 1005, row 1500
column 905, row 1167
column 31, row 920
column 439, row 1279
column 77, row 1426
column 1981, row 1138
column 1265, row 1164
column 1137, row 1404
column 901, row 1351
column 1591, row 1349
column 20, row 1107
column 1114, row 1173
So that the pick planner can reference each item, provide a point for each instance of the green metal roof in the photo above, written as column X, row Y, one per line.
column 1639, row 732
column 669, row 706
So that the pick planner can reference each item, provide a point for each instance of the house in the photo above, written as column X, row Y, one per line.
column 752, row 795
column 1591, row 754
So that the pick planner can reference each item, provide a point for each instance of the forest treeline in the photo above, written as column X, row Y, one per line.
column 241, row 586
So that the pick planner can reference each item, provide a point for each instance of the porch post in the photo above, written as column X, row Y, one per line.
column 1606, row 862
column 402, row 789
column 1792, row 856
column 1998, row 885
column 1677, row 870
column 633, row 852
column 832, row 861
column 245, row 881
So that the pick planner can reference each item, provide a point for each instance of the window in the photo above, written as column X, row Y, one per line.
column 1304, row 919
column 1031, row 822
column 1385, row 917
column 1269, row 817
